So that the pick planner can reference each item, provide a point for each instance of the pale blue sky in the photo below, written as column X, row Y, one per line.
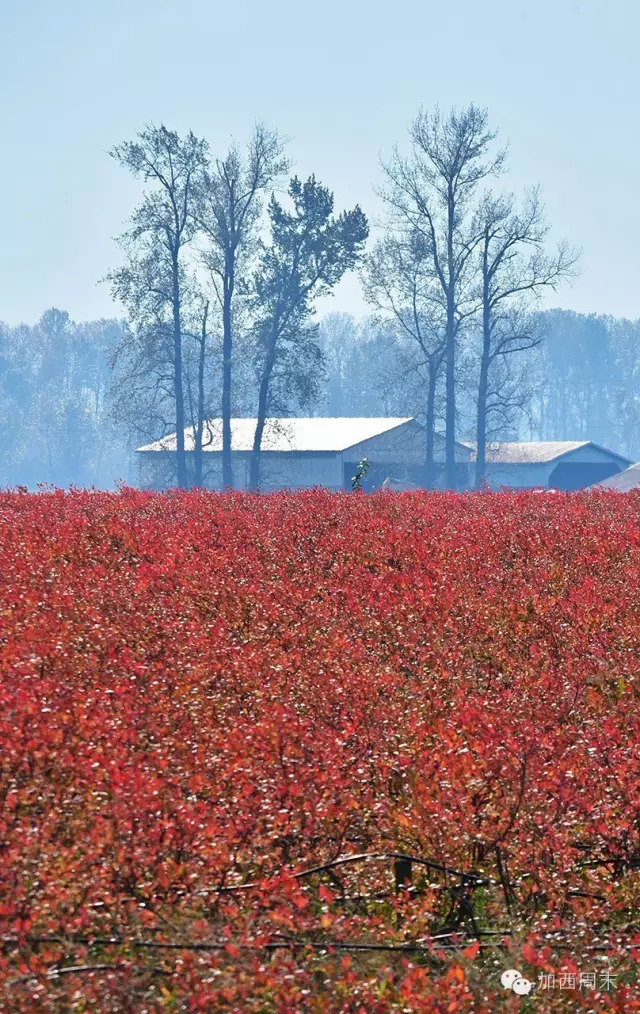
column 342, row 80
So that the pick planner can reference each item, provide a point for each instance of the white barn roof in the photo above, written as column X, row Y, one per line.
column 623, row 481
column 534, row 452
column 531, row 451
column 298, row 434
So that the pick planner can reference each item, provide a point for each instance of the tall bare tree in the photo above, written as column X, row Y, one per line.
column 514, row 270
column 197, row 403
column 162, row 226
column 399, row 279
column 229, row 215
column 432, row 190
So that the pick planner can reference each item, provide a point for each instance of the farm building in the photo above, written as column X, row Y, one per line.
column 556, row 464
column 623, row 482
column 307, row 452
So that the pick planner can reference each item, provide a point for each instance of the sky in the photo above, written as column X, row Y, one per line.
column 342, row 79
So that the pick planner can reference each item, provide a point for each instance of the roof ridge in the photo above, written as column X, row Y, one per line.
column 288, row 433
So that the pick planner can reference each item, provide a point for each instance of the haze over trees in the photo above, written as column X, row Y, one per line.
column 514, row 269
column 457, row 261
column 581, row 382
column 221, row 266
column 198, row 268
column 56, row 397
column 155, row 284
column 429, row 193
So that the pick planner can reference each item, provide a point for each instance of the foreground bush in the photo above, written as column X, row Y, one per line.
column 431, row 697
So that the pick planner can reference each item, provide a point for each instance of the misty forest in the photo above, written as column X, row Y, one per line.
column 219, row 273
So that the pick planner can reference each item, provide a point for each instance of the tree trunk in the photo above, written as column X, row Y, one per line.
column 254, row 469
column 483, row 387
column 197, row 451
column 430, row 471
column 181, row 458
column 450, row 412
column 481, row 422
column 450, row 354
column 227, row 347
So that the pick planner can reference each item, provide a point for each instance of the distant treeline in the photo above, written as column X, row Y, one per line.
column 581, row 381
column 222, row 266
column 57, row 383
column 63, row 423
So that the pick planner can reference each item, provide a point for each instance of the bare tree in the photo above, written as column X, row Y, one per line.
column 142, row 392
column 509, row 394
column 431, row 191
column 399, row 279
column 143, row 363
column 197, row 405
column 228, row 216
column 161, row 227
column 514, row 270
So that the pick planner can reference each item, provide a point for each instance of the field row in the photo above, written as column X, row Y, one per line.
column 431, row 697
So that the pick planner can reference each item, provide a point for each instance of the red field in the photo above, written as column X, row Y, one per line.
column 205, row 697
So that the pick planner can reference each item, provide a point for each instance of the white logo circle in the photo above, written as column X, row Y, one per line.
column 509, row 977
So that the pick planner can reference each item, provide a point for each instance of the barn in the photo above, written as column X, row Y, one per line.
column 622, row 482
column 306, row 452
column 555, row 464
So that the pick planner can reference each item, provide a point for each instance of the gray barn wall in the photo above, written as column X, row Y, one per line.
column 406, row 443
column 277, row 470
column 585, row 454
column 300, row 471
column 519, row 476
column 400, row 454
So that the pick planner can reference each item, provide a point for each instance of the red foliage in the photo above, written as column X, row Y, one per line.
column 205, row 696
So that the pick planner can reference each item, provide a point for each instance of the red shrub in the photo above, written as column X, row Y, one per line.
column 203, row 697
